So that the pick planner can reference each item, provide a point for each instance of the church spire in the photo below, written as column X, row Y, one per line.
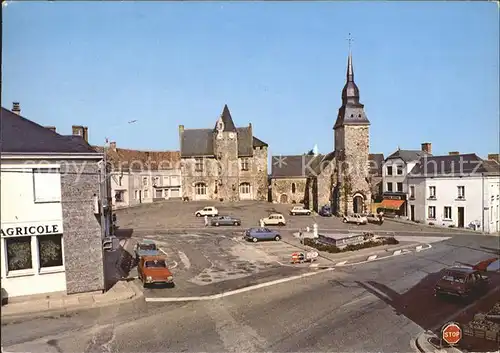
column 350, row 93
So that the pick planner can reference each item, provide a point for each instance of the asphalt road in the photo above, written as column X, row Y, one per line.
column 379, row 306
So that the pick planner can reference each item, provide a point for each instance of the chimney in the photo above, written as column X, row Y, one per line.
column 181, row 133
column 454, row 153
column 494, row 157
column 16, row 108
column 112, row 145
column 82, row 131
column 251, row 129
column 427, row 147
column 51, row 128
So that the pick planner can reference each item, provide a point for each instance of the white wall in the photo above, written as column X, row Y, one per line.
column 395, row 178
column 447, row 195
column 19, row 209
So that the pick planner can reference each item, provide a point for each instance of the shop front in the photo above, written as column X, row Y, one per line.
column 393, row 204
column 33, row 257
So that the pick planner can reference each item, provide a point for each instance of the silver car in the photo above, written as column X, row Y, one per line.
column 225, row 221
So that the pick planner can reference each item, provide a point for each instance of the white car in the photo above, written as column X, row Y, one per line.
column 274, row 219
column 355, row 218
column 300, row 210
column 207, row 211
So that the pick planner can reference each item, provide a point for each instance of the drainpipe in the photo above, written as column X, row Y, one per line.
column 482, row 208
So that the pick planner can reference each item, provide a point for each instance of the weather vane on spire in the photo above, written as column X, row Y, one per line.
column 350, row 40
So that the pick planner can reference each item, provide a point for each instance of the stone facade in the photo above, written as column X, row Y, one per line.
column 83, row 253
column 225, row 163
column 289, row 190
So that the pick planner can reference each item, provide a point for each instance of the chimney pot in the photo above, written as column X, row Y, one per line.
column 82, row 131
column 427, row 147
column 51, row 128
column 16, row 108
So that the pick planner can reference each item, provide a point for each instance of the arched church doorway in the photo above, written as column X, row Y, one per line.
column 358, row 203
column 283, row 198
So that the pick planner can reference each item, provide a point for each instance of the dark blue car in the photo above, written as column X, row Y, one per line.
column 325, row 211
column 258, row 234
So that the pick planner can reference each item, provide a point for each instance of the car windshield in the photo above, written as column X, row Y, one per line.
column 147, row 247
column 454, row 277
column 156, row 263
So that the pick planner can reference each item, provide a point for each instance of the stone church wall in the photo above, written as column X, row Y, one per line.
column 282, row 190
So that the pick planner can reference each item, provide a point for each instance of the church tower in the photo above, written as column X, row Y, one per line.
column 225, row 142
column 352, row 148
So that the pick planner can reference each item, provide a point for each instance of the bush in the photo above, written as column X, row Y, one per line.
column 352, row 247
column 416, row 221
column 451, row 226
column 431, row 224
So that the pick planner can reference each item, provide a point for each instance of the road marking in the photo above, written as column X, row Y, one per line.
column 341, row 263
column 237, row 291
column 163, row 251
column 174, row 266
column 371, row 258
column 185, row 260
column 356, row 300
column 378, row 291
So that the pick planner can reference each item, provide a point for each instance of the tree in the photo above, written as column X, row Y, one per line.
column 310, row 153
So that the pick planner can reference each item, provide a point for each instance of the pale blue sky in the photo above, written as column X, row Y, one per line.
column 427, row 71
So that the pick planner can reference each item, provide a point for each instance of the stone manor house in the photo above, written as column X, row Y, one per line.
column 345, row 178
column 225, row 163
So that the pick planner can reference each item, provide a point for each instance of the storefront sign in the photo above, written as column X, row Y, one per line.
column 26, row 230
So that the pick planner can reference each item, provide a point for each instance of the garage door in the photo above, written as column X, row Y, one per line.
column 175, row 193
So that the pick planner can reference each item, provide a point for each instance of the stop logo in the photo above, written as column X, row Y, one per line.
column 452, row 333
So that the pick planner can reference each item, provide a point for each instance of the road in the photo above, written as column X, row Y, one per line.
column 377, row 306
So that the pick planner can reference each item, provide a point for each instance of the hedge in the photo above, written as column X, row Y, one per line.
column 353, row 247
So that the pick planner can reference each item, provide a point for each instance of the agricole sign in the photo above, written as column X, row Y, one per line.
column 30, row 230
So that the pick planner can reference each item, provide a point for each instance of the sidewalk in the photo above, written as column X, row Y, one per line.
column 60, row 303
column 437, row 227
column 424, row 345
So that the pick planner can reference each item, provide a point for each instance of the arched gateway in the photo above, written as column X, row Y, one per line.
column 358, row 202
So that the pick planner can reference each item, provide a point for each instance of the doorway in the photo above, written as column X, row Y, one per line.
column 283, row 198
column 461, row 217
column 357, row 204
column 412, row 213
column 140, row 196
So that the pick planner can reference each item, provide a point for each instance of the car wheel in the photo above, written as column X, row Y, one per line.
column 277, row 238
column 216, row 224
column 358, row 223
column 236, row 223
column 308, row 213
column 344, row 220
column 255, row 240
column 281, row 224
column 198, row 214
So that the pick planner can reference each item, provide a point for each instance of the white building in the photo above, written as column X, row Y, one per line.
column 142, row 176
column 455, row 191
column 50, row 237
column 395, row 171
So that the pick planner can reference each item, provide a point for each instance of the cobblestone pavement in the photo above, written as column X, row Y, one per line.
column 180, row 215
column 208, row 258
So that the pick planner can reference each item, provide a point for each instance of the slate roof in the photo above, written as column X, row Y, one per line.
column 376, row 162
column 20, row 135
column 227, row 120
column 200, row 142
column 135, row 160
column 452, row 165
column 295, row 166
column 407, row 155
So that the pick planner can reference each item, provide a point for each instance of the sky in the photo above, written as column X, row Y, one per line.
column 427, row 71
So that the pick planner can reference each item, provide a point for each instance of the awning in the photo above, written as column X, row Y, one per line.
column 392, row 204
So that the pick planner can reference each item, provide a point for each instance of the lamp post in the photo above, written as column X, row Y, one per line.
column 105, row 195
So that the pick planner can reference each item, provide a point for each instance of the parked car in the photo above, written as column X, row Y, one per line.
column 375, row 218
column 225, row 221
column 300, row 210
column 325, row 211
column 355, row 218
column 207, row 211
column 257, row 234
column 145, row 248
column 274, row 219
column 154, row 270
column 461, row 282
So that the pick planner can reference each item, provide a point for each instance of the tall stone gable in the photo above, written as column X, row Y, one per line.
column 352, row 192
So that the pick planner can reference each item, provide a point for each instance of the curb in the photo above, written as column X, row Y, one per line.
column 436, row 228
column 238, row 291
column 137, row 295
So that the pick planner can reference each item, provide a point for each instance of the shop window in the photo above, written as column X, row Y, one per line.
column 19, row 253
column 47, row 185
column 50, row 250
